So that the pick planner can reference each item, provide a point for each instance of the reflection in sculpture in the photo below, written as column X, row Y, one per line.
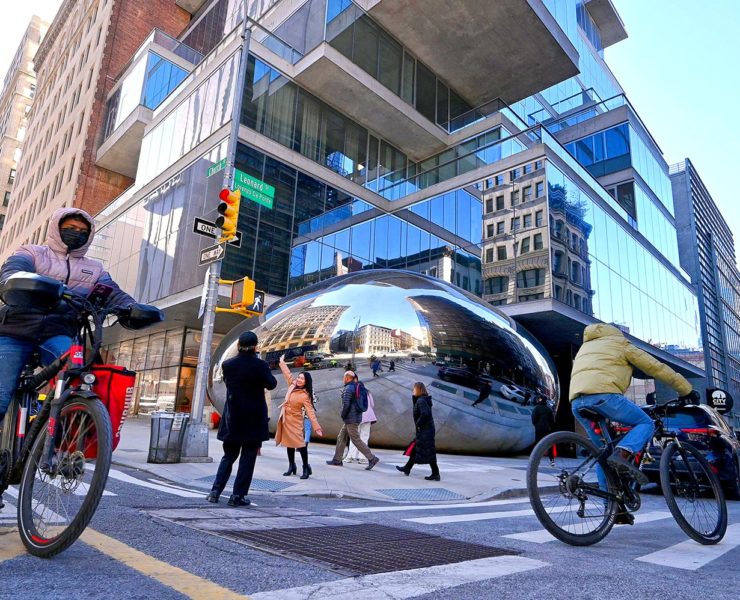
column 435, row 333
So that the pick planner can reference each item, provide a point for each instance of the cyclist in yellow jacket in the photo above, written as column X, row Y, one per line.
column 602, row 372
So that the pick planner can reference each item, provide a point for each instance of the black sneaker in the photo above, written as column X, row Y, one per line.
column 621, row 461
column 213, row 497
column 239, row 501
column 334, row 463
column 373, row 461
column 624, row 518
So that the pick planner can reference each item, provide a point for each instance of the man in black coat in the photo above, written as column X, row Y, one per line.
column 244, row 422
column 542, row 419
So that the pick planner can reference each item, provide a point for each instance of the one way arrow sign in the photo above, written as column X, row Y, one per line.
column 211, row 254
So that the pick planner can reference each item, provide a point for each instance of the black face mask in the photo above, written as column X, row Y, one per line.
column 74, row 239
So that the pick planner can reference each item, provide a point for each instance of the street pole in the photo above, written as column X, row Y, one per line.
column 195, row 443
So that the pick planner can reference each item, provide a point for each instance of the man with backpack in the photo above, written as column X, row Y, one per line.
column 354, row 404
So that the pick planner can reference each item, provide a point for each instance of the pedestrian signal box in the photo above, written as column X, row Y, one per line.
column 242, row 293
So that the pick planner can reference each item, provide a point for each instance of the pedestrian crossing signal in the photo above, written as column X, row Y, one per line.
column 228, row 208
column 242, row 294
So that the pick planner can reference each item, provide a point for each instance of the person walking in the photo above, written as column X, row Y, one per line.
column 391, row 365
column 368, row 418
column 290, row 432
column 352, row 394
column 485, row 390
column 376, row 367
column 424, row 450
column 542, row 419
column 243, row 425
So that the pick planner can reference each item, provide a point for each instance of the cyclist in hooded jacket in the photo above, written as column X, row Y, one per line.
column 602, row 372
column 23, row 329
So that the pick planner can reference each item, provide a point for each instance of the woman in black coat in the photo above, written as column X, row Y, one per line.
column 423, row 451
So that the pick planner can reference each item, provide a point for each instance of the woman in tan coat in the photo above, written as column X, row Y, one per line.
column 290, row 432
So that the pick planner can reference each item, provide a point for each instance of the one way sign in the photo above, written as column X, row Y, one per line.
column 208, row 229
column 211, row 254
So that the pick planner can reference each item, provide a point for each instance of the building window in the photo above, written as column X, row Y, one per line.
column 538, row 218
column 527, row 221
column 515, row 224
column 558, row 293
column 500, row 227
column 11, row 176
column 527, row 193
column 489, row 255
column 539, row 189
column 489, row 205
column 530, row 297
column 489, row 230
column 515, row 174
column 525, row 246
column 530, row 278
column 499, row 179
column 575, row 272
column 577, row 301
column 501, row 252
column 2, row 222
column 528, row 168
column 515, row 197
column 497, row 285
column 499, row 203
column 6, row 199
column 537, row 165
column 538, row 241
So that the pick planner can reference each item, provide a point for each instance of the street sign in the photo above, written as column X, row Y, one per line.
column 216, row 167
column 254, row 189
column 258, row 306
column 209, row 230
column 211, row 254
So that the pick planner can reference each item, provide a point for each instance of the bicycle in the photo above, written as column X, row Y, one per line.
column 60, row 457
column 576, row 495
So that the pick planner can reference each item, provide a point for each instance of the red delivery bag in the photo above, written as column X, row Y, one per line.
column 115, row 387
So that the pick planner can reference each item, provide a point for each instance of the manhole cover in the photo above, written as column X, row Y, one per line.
column 366, row 548
column 262, row 485
column 422, row 494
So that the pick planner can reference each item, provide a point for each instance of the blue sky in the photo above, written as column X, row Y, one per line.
column 680, row 68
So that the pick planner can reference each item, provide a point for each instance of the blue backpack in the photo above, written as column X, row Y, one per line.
column 361, row 396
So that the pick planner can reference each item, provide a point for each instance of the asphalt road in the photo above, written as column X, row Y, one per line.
column 149, row 542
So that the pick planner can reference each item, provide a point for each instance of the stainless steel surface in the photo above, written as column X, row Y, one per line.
column 416, row 321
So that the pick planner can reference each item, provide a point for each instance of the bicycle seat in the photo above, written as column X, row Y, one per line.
column 588, row 413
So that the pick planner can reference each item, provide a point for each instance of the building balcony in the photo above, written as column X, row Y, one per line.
column 120, row 151
column 517, row 43
column 611, row 28
column 192, row 6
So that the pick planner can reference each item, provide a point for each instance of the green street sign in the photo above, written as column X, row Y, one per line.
column 216, row 167
column 254, row 189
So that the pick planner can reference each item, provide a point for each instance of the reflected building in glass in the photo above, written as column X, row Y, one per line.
column 536, row 188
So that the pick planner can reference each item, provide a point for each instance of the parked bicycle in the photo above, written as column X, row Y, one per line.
column 59, row 458
column 576, row 495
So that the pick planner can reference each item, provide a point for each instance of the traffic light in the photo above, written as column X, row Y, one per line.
column 242, row 293
column 228, row 208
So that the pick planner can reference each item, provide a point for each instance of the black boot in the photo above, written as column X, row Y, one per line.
column 213, row 497
column 292, row 470
column 306, row 472
column 404, row 470
column 239, row 501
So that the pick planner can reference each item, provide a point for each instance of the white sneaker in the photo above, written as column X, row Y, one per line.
column 349, row 460
column 362, row 461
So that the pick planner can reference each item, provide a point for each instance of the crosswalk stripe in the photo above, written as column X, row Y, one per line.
column 374, row 509
column 10, row 544
column 486, row 516
column 408, row 584
column 48, row 515
column 542, row 536
column 120, row 476
column 691, row 556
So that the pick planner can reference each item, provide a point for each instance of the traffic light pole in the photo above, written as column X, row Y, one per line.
column 195, row 443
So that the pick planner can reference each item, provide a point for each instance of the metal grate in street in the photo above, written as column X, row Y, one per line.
column 421, row 494
column 364, row 549
column 263, row 485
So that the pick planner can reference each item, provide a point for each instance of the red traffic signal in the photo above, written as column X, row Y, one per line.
column 228, row 208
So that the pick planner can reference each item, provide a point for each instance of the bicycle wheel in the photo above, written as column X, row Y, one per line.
column 693, row 493
column 563, row 484
column 55, row 507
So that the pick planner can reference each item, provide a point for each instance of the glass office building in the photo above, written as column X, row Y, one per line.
column 516, row 170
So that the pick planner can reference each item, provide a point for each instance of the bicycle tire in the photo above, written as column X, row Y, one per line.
column 73, row 417
column 673, row 481
column 536, row 488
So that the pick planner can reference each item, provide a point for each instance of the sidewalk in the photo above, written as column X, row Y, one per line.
column 463, row 477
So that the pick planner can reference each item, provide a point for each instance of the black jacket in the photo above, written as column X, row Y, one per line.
column 542, row 419
column 424, row 450
column 351, row 412
column 245, row 415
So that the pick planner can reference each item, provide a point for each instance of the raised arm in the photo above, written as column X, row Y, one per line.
column 286, row 371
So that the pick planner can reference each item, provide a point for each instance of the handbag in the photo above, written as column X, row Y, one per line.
column 410, row 448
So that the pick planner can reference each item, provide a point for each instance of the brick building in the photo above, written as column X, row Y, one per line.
column 89, row 43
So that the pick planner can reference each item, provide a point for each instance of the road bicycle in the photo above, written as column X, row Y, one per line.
column 59, row 455
column 577, row 495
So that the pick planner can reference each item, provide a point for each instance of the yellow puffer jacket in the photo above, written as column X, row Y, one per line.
column 604, row 364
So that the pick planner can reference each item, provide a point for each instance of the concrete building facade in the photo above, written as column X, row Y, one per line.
column 387, row 149
column 707, row 252
column 16, row 100
column 88, row 43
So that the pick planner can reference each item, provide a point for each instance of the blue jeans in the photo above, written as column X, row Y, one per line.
column 14, row 354
column 617, row 408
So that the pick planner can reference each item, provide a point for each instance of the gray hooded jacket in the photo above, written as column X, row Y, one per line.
column 74, row 269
